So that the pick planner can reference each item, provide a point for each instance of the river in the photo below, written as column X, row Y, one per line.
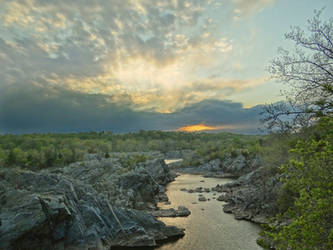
column 208, row 227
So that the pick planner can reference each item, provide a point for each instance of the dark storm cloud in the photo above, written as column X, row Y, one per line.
column 43, row 109
column 216, row 112
column 27, row 109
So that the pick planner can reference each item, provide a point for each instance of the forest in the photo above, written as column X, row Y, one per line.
column 38, row 151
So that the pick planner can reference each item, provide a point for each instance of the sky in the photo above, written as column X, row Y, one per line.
column 129, row 65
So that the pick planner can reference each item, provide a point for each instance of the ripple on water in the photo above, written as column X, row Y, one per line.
column 208, row 227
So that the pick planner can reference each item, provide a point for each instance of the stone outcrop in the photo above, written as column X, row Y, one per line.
column 90, row 204
column 135, row 187
column 171, row 212
column 252, row 196
column 229, row 167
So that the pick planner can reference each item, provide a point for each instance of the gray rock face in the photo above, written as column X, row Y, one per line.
column 240, row 165
column 131, row 187
column 211, row 166
column 180, row 212
column 252, row 196
column 78, row 206
column 228, row 167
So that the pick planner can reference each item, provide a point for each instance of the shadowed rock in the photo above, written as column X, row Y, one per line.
column 180, row 212
column 79, row 206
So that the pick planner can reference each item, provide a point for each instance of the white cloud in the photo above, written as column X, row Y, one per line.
column 151, row 52
column 243, row 8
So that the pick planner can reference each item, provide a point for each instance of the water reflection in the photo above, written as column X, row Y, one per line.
column 208, row 227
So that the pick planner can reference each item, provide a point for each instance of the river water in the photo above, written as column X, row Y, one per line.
column 208, row 227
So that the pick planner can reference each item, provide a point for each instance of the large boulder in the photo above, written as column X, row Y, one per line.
column 53, row 211
column 126, row 186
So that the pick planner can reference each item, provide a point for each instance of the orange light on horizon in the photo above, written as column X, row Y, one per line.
column 198, row 127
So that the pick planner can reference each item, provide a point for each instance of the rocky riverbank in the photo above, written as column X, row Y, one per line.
column 252, row 195
column 98, row 203
column 106, row 202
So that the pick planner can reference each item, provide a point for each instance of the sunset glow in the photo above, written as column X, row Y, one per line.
column 126, row 66
column 198, row 127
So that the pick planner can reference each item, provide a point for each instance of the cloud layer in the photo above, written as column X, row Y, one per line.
column 153, row 52
column 124, row 65
column 52, row 109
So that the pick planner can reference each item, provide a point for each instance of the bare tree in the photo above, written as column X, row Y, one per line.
column 308, row 71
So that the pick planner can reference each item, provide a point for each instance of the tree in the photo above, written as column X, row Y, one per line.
column 309, row 176
column 308, row 72
column 305, row 220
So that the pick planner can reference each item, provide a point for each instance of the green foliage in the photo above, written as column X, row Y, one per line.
column 308, row 188
column 36, row 151
column 233, row 153
column 2, row 157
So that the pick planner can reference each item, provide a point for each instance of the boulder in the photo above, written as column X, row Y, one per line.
column 63, row 209
column 180, row 212
column 135, row 187
column 202, row 198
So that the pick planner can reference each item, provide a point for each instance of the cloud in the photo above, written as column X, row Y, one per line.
column 243, row 8
column 109, row 64
column 143, row 49
column 27, row 109
column 193, row 92
column 215, row 112
column 100, row 31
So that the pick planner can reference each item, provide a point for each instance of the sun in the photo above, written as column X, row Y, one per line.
column 198, row 127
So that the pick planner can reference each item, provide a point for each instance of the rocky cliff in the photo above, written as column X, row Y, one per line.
column 90, row 204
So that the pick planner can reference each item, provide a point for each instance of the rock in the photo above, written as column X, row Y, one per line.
column 207, row 190
column 198, row 190
column 180, row 212
column 48, row 210
column 221, row 198
column 139, row 187
column 202, row 198
column 252, row 196
column 162, row 197
column 227, row 208
column 219, row 188
column 220, row 175
column 211, row 166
